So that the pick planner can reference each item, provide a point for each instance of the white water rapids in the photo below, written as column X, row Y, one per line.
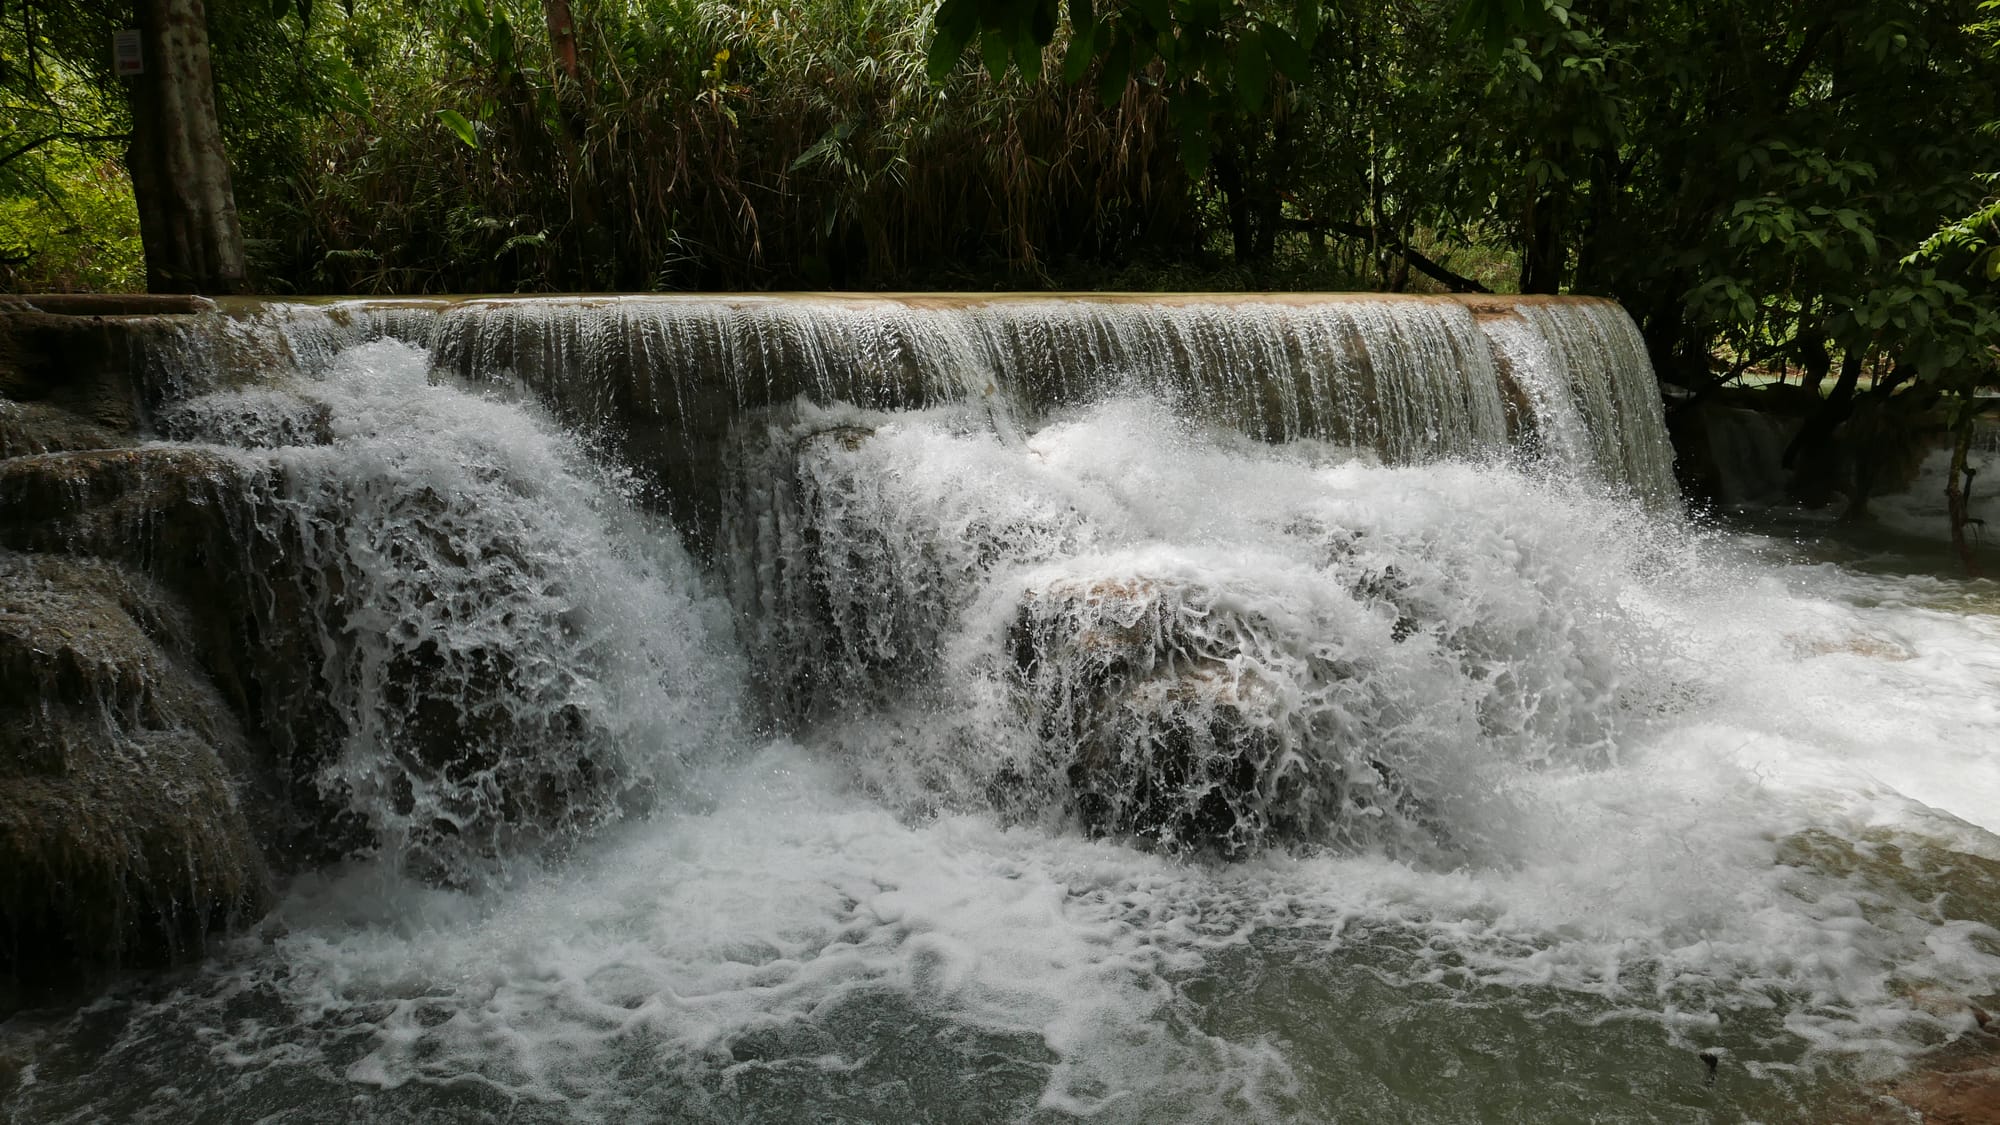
column 1555, row 791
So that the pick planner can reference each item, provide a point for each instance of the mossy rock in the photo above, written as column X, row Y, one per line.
column 122, row 843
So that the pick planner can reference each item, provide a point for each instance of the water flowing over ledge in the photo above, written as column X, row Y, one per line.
column 1565, row 381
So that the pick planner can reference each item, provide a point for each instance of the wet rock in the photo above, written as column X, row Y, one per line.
column 848, row 572
column 485, row 764
column 194, row 523
column 1161, row 739
column 1960, row 1097
column 1956, row 1084
column 262, row 419
column 1167, row 726
column 480, row 751
column 122, row 843
column 90, row 365
column 838, row 609
column 33, row 427
column 108, row 304
column 97, row 501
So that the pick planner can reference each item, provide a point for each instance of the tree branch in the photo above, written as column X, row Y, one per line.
column 80, row 138
column 1795, row 71
column 1457, row 283
column 1735, row 372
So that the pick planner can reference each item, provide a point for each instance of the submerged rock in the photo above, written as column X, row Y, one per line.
column 122, row 843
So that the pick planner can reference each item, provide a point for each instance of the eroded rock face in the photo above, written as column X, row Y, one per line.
column 471, row 766
column 92, row 366
column 187, row 519
column 122, row 841
column 306, row 634
column 136, row 804
column 157, row 723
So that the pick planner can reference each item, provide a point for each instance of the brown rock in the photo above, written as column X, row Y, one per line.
column 90, row 366
column 188, row 520
column 121, row 840
column 27, row 428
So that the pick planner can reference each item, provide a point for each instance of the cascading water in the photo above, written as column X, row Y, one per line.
column 665, row 379
column 1107, row 731
column 506, row 653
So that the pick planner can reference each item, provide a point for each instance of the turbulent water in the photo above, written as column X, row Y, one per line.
column 1089, row 758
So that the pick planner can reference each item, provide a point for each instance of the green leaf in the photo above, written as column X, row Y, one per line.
column 993, row 50
column 1253, row 72
column 459, row 126
column 1042, row 22
column 1306, row 19
column 1117, row 69
column 356, row 90
column 943, row 55
column 1028, row 53
column 1285, row 53
column 951, row 29
column 1082, row 48
column 1195, row 145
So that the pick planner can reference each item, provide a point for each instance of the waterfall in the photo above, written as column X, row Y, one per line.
column 1596, row 410
column 1153, row 627
column 878, row 480
column 1406, row 380
column 495, row 654
column 915, row 708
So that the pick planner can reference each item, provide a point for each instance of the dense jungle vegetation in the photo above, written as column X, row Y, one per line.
column 1798, row 186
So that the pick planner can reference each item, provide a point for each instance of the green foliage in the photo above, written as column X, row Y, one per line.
column 67, row 220
column 67, row 224
column 1216, row 57
column 1759, row 181
column 701, row 144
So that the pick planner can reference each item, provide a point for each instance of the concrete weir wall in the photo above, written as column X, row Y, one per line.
column 164, row 713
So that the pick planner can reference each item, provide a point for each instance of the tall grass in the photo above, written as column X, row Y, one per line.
column 718, row 146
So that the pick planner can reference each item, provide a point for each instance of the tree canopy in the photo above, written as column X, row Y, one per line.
column 1799, row 183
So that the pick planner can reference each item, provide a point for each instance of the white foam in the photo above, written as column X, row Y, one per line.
column 1680, row 830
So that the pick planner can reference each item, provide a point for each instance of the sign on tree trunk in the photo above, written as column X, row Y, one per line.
column 180, row 173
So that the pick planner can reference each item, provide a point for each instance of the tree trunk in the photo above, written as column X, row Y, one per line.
column 180, row 174
column 562, row 36
column 1236, row 203
column 1542, row 258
